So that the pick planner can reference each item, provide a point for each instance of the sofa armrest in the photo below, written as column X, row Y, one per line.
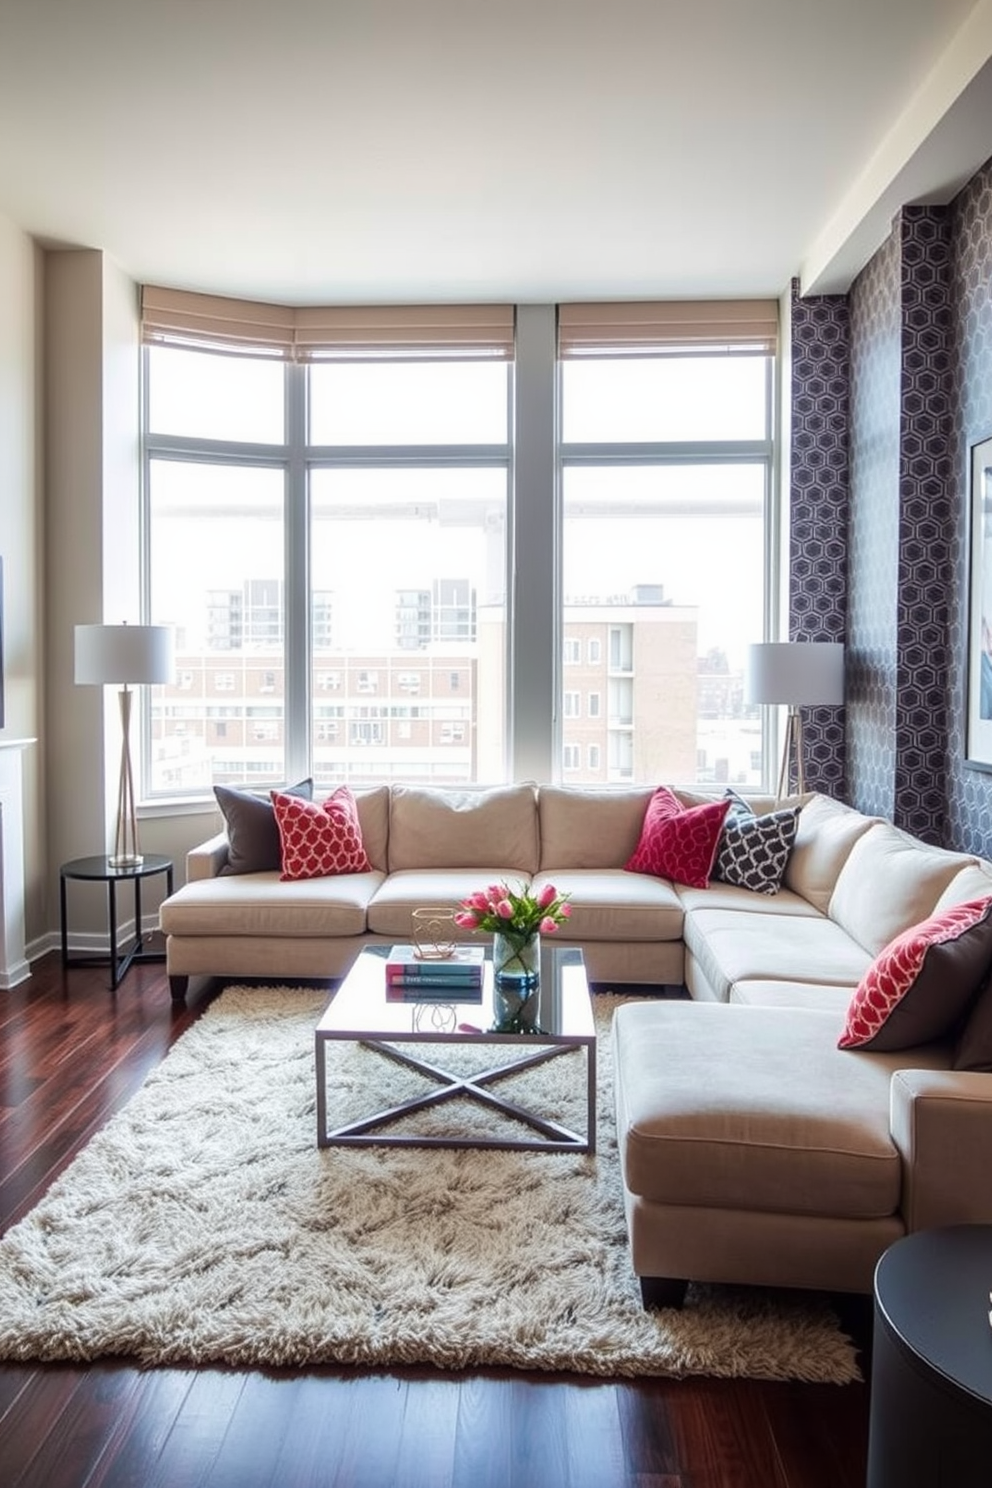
column 208, row 859
column 941, row 1122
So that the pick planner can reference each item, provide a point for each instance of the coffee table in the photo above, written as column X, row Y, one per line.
column 360, row 1013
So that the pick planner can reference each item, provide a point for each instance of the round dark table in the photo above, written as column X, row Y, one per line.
column 931, row 1376
column 101, row 870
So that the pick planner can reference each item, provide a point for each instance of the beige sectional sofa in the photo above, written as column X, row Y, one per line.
column 752, row 1148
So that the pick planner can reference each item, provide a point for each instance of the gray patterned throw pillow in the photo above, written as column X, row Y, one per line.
column 754, row 850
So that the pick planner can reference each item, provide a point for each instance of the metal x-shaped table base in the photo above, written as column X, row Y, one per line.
column 556, row 1138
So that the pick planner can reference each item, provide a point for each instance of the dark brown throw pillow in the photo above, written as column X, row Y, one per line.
column 252, row 831
column 973, row 1050
column 923, row 984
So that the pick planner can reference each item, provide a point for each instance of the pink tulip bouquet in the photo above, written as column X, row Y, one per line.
column 515, row 913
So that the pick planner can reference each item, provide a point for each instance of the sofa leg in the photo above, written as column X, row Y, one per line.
column 663, row 1291
column 177, row 987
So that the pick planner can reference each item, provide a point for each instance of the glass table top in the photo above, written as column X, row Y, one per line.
column 559, row 1008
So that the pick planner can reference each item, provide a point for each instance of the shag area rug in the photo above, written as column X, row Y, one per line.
column 203, row 1225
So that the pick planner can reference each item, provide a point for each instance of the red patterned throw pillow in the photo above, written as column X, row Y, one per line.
column 922, row 984
column 679, row 842
column 319, row 840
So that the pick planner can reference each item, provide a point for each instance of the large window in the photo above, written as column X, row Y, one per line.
column 666, row 466
column 345, row 541
column 332, row 563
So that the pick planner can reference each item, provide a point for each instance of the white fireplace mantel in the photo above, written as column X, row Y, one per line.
column 14, row 967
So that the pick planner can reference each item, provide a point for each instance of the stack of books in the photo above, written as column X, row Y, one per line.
column 456, row 978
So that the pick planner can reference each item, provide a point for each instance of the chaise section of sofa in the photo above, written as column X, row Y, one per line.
column 755, row 1151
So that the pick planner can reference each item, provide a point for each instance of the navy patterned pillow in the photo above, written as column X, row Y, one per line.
column 753, row 850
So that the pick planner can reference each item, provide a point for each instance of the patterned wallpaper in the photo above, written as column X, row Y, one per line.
column 818, row 510
column 969, row 792
column 873, row 551
column 926, row 519
column 919, row 332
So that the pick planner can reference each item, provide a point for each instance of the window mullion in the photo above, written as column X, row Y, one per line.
column 534, row 582
column 297, row 668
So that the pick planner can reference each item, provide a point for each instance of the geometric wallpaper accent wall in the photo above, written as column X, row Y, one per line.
column 818, row 505
column 880, row 547
column 891, row 387
column 873, row 552
column 926, row 526
column 969, row 792
column 901, row 538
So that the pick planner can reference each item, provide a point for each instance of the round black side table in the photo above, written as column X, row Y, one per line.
column 101, row 870
column 931, row 1377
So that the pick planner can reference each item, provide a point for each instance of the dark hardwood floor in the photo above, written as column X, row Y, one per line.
column 71, row 1053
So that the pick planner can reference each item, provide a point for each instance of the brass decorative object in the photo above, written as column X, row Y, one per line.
column 433, row 933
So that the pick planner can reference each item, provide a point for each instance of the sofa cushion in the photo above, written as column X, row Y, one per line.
column 825, row 835
column 889, row 882
column 735, row 946
column 678, row 842
column 262, row 904
column 820, row 995
column 252, row 832
column 921, row 985
column 318, row 839
column 719, row 895
column 611, row 904
column 754, row 1108
column 433, row 828
column 973, row 881
column 373, row 818
column 589, row 828
column 753, row 850
column 408, row 889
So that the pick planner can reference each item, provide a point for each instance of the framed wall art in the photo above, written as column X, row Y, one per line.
column 978, row 723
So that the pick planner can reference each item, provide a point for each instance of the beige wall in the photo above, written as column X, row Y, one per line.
column 21, row 538
column 77, row 797
column 92, row 422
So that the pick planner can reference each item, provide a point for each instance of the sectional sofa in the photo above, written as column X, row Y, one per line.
column 753, row 1148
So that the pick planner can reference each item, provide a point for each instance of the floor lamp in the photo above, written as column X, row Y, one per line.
column 124, row 654
column 801, row 674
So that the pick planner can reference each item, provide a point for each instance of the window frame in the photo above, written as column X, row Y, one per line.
column 298, row 459
column 535, row 460
column 763, row 453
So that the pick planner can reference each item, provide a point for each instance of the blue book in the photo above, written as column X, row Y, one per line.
column 419, row 990
column 465, row 962
column 398, row 979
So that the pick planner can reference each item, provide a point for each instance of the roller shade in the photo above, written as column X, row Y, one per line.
column 694, row 325
column 307, row 333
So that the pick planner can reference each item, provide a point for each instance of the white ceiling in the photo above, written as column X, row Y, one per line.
column 528, row 150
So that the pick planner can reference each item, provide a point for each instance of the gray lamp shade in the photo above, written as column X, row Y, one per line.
column 800, row 673
column 124, row 653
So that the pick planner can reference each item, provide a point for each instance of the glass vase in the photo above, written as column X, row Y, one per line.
column 516, row 983
column 516, row 960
